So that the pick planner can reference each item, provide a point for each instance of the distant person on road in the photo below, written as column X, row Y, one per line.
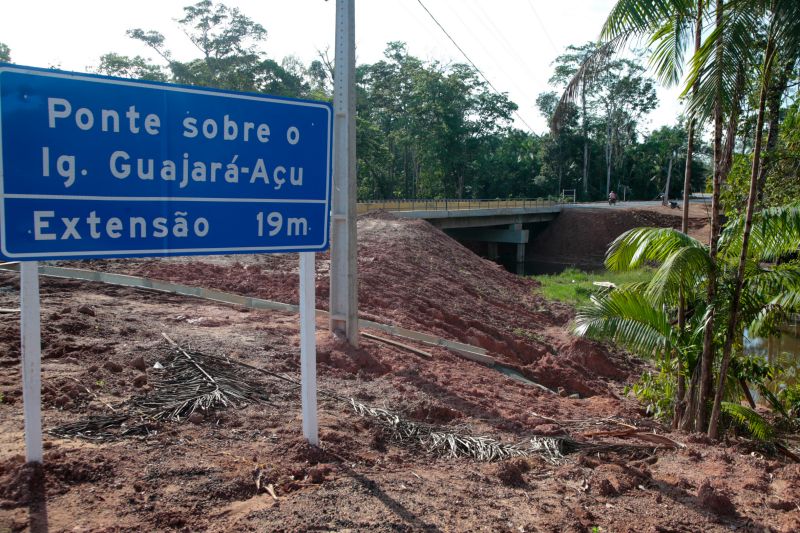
column 612, row 198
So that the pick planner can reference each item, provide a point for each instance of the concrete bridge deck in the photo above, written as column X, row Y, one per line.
column 453, row 214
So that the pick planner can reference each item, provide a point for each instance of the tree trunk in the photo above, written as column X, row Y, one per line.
column 733, row 319
column 669, row 177
column 688, row 421
column 585, row 141
column 707, row 359
column 608, row 160
column 684, row 411
column 747, row 394
column 680, row 405
column 774, row 106
column 687, row 176
column 733, row 125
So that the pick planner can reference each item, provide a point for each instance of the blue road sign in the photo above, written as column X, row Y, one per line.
column 92, row 166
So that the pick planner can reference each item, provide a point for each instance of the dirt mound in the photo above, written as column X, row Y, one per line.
column 583, row 367
column 511, row 472
column 23, row 483
column 413, row 275
column 581, row 235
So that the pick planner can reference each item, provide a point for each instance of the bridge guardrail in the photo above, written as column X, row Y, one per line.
column 455, row 205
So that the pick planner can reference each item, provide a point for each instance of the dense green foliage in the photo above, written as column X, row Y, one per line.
column 643, row 316
column 424, row 129
column 599, row 144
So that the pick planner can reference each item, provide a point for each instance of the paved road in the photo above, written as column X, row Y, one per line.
column 629, row 205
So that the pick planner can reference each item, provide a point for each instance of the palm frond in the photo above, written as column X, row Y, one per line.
column 786, row 27
column 194, row 381
column 628, row 317
column 632, row 18
column 668, row 44
column 775, row 280
column 784, row 303
column 754, row 423
column 713, row 74
column 685, row 268
column 455, row 444
column 189, row 381
column 640, row 246
column 775, row 233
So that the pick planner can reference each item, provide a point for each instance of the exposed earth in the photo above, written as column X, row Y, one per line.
column 249, row 469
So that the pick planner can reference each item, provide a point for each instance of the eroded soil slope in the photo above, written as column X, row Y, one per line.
column 413, row 275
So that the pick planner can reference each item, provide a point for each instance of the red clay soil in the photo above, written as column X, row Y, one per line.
column 100, row 343
column 580, row 236
column 413, row 275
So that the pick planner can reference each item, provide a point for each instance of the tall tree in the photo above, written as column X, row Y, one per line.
column 612, row 95
column 625, row 95
column 230, row 57
column 567, row 66
column 783, row 32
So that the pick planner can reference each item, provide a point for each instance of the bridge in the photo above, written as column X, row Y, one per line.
column 496, row 222
column 493, row 222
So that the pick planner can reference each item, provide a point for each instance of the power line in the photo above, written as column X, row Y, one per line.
column 463, row 53
column 491, row 28
column 544, row 28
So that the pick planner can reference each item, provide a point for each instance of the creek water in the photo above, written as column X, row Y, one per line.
column 783, row 350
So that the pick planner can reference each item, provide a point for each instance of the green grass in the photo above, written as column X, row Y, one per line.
column 575, row 286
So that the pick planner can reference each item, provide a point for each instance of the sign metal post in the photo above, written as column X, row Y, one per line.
column 30, row 334
column 308, row 347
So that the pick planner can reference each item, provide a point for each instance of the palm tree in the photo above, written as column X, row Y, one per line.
column 642, row 317
column 715, row 86
column 783, row 33
column 667, row 25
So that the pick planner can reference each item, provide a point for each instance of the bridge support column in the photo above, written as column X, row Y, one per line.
column 492, row 250
column 520, row 251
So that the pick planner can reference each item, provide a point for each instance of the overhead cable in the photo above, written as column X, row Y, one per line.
column 479, row 71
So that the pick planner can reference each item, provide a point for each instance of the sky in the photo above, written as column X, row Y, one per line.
column 513, row 42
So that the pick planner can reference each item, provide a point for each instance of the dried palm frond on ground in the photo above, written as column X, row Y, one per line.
column 105, row 427
column 192, row 381
column 451, row 444
column 188, row 382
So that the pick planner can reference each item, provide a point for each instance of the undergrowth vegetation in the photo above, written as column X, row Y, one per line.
column 666, row 318
column 576, row 287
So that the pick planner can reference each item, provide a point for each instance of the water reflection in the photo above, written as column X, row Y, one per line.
column 782, row 351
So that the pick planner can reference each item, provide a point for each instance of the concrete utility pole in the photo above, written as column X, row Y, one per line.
column 344, row 246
